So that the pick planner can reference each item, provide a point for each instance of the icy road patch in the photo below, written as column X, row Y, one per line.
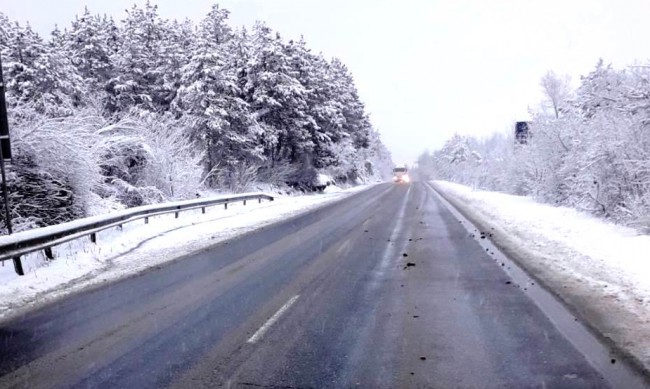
column 119, row 253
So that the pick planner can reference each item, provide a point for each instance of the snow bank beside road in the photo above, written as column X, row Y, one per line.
column 601, row 270
column 117, row 254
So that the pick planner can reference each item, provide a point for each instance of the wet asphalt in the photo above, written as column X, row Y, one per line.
column 384, row 289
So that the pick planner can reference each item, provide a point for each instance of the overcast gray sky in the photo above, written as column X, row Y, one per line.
column 425, row 68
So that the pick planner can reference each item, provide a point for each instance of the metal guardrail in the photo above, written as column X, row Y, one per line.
column 46, row 237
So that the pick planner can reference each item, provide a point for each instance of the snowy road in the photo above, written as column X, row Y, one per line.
column 382, row 289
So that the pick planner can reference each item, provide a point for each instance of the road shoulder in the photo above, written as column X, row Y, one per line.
column 617, row 323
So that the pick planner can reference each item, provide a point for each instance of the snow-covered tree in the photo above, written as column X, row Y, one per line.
column 556, row 91
column 138, row 75
column 277, row 99
column 36, row 74
column 87, row 45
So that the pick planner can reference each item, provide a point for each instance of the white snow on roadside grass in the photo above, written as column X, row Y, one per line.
column 601, row 252
column 608, row 262
column 119, row 253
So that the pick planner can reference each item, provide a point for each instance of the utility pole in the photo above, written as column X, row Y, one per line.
column 5, row 153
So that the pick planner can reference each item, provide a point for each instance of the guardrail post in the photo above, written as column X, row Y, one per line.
column 18, row 266
column 225, row 205
column 93, row 238
column 203, row 210
column 48, row 252
column 244, row 202
column 177, row 212
column 259, row 201
column 146, row 220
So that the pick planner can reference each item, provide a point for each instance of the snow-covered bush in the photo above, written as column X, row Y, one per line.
column 77, row 160
column 37, row 198
column 174, row 163
column 63, row 148
column 148, row 159
column 277, row 175
column 236, row 178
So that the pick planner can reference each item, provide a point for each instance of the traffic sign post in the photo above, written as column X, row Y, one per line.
column 5, row 155
column 5, row 143
column 4, row 192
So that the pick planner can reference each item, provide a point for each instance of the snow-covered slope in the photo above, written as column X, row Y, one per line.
column 601, row 270
column 117, row 254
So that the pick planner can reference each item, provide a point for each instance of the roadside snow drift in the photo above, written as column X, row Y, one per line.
column 600, row 270
column 119, row 253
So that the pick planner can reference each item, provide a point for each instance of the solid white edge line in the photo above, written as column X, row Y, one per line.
column 262, row 330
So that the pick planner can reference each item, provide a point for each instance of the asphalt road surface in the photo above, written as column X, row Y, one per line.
column 384, row 289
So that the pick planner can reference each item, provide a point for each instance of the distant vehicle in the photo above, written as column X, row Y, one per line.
column 400, row 175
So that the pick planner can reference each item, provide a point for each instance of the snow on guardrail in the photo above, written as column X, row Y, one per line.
column 15, row 245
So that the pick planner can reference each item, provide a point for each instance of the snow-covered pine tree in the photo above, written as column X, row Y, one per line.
column 87, row 45
column 209, row 100
column 137, row 75
column 277, row 99
column 357, row 123
column 38, row 75
column 175, row 50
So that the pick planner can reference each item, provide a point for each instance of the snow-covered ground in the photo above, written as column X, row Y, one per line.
column 601, row 270
column 119, row 253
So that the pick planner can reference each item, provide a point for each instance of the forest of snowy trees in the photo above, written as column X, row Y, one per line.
column 588, row 149
column 107, row 114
